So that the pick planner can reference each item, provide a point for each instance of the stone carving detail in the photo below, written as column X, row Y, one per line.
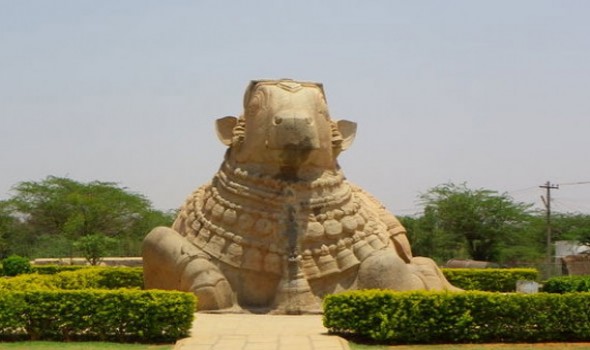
column 279, row 226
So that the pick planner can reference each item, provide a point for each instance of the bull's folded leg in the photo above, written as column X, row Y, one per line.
column 432, row 276
column 386, row 270
column 205, row 280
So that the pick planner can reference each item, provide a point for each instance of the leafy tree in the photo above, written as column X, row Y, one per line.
column 429, row 240
column 7, row 223
column 61, row 210
column 571, row 226
column 488, row 225
column 95, row 246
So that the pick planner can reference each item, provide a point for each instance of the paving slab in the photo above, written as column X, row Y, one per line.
column 260, row 332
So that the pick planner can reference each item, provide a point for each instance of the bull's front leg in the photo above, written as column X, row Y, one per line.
column 171, row 262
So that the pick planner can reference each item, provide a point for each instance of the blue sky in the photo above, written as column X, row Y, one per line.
column 495, row 94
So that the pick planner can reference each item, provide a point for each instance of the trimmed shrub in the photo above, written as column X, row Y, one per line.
column 466, row 317
column 567, row 284
column 53, row 269
column 16, row 265
column 88, row 278
column 490, row 280
column 122, row 315
column 101, row 278
column 28, row 282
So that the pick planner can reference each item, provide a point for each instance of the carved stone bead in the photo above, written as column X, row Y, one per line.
column 332, row 227
column 230, row 216
column 209, row 203
column 215, row 245
column 360, row 221
column 203, row 237
column 338, row 214
column 245, row 221
column 349, row 224
column 217, row 211
column 196, row 226
column 263, row 227
column 234, row 254
column 315, row 231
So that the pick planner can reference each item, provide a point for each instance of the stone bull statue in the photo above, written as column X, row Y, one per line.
column 279, row 226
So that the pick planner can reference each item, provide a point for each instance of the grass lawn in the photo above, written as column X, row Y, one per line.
column 545, row 346
column 48, row 345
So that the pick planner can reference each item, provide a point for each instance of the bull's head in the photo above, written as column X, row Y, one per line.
column 285, row 124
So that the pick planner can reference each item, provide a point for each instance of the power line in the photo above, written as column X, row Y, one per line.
column 575, row 183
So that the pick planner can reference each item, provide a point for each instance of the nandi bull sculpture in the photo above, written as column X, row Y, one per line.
column 279, row 227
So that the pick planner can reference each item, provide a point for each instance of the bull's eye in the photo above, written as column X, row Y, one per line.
column 278, row 120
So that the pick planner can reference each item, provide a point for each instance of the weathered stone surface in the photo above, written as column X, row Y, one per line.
column 279, row 226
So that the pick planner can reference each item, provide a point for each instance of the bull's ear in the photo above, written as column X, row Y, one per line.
column 348, row 131
column 225, row 127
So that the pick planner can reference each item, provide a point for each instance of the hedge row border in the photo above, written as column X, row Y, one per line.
column 465, row 317
column 102, row 315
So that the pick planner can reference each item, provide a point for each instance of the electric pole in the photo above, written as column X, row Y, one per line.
column 547, row 201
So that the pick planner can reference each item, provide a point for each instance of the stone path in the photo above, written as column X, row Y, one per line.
column 259, row 332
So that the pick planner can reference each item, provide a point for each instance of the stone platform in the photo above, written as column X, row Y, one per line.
column 259, row 332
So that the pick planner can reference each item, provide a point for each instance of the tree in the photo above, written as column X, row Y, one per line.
column 61, row 211
column 488, row 225
column 429, row 240
column 94, row 247
column 7, row 223
column 572, row 226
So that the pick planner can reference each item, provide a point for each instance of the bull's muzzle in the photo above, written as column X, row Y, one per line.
column 293, row 131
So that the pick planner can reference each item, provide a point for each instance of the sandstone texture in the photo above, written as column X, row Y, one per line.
column 279, row 226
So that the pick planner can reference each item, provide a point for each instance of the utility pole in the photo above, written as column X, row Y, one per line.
column 547, row 201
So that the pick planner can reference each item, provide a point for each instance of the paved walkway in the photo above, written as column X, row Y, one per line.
column 259, row 332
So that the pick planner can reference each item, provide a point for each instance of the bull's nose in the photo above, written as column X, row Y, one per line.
column 293, row 132
column 278, row 119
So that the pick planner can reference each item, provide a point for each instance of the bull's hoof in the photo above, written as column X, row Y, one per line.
column 209, row 285
column 216, row 297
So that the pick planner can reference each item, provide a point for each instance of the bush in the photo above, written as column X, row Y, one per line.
column 16, row 265
column 28, row 282
column 101, row 278
column 490, row 280
column 87, row 278
column 466, row 317
column 122, row 315
column 567, row 284
column 53, row 269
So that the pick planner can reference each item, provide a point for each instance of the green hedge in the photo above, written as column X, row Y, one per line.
column 15, row 265
column 465, row 317
column 93, row 278
column 53, row 269
column 490, row 280
column 567, row 284
column 121, row 315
